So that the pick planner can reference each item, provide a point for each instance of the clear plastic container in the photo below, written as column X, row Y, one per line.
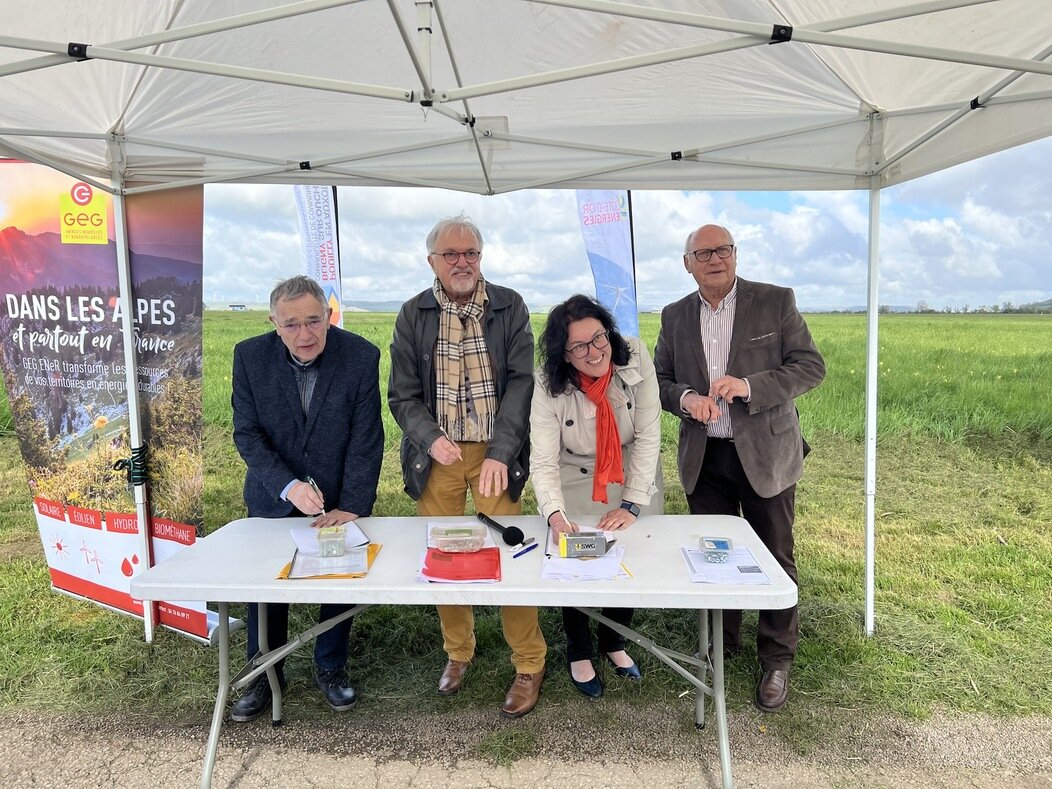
column 459, row 539
column 717, row 550
column 332, row 540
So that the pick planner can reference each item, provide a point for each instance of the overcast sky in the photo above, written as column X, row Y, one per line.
column 977, row 234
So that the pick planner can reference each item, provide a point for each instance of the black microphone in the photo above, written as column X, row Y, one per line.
column 512, row 535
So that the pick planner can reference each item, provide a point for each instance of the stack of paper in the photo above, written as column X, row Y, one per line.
column 600, row 568
column 452, row 568
column 741, row 568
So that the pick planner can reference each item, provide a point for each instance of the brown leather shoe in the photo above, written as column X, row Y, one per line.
column 452, row 677
column 773, row 690
column 522, row 695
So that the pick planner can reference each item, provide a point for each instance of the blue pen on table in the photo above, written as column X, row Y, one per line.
column 524, row 549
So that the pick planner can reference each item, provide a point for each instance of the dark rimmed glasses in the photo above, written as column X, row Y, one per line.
column 580, row 350
column 471, row 256
column 705, row 255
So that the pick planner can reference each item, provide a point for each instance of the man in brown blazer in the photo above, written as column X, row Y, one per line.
column 731, row 358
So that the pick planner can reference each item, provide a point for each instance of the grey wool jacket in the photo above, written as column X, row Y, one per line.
column 411, row 388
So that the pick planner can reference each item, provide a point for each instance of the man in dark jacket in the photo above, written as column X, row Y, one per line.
column 306, row 402
column 731, row 358
column 460, row 389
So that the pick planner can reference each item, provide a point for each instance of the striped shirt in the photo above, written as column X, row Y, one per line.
column 716, row 327
column 306, row 378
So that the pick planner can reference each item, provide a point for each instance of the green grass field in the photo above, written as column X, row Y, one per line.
column 964, row 552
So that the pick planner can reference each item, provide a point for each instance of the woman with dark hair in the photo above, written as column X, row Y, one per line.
column 595, row 430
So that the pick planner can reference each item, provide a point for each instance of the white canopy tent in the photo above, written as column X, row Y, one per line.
column 491, row 96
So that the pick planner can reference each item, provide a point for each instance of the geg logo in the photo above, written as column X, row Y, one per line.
column 81, row 193
column 82, row 219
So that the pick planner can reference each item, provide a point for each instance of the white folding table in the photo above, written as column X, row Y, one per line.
column 239, row 563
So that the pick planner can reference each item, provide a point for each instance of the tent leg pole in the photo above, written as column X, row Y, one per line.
column 872, row 367
column 120, row 226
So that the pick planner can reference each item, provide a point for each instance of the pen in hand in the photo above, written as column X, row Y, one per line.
column 456, row 446
column 316, row 489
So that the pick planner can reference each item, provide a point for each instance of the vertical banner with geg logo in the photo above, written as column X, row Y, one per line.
column 63, row 365
column 319, row 241
column 606, row 224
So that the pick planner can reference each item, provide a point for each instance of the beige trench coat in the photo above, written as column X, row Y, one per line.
column 562, row 437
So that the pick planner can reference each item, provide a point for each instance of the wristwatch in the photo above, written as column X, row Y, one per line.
column 631, row 507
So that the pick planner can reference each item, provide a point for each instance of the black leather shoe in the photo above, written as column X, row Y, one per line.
column 255, row 700
column 632, row 672
column 336, row 688
column 592, row 688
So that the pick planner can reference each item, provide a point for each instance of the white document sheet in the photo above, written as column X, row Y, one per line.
column 308, row 566
column 741, row 567
column 600, row 568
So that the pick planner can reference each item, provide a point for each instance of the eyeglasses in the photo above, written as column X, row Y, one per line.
column 471, row 256
column 312, row 324
column 600, row 341
column 705, row 255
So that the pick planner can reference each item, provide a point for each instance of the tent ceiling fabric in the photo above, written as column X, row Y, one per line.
column 673, row 94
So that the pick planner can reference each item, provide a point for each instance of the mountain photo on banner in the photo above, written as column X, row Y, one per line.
column 66, row 378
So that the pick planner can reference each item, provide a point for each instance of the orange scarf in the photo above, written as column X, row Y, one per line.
column 608, row 462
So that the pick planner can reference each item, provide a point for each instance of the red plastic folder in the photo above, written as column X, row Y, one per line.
column 481, row 565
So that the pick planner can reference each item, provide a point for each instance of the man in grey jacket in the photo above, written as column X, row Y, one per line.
column 731, row 358
column 460, row 389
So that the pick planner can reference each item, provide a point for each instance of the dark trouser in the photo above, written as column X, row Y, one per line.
column 330, row 648
column 579, row 638
column 723, row 489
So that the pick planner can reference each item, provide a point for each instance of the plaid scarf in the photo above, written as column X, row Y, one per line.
column 463, row 373
column 609, row 465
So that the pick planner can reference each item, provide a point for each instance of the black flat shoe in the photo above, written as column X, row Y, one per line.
column 592, row 688
column 632, row 672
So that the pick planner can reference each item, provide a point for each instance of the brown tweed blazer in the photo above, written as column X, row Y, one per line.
column 772, row 347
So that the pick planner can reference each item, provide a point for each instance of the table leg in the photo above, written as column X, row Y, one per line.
column 221, row 696
column 703, row 667
column 720, row 699
column 272, row 671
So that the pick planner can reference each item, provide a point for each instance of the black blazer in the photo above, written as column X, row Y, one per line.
column 340, row 443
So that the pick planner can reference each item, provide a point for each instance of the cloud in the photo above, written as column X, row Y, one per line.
column 979, row 233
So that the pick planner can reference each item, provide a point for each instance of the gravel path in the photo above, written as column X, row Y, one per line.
column 618, row 746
